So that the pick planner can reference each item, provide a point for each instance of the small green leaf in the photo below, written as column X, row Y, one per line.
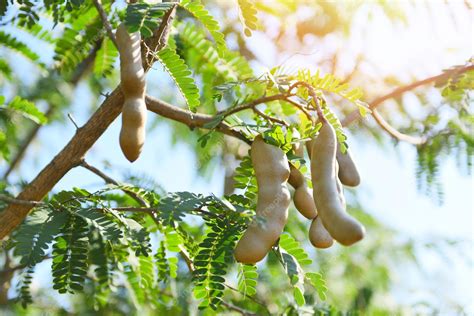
column 298, row 295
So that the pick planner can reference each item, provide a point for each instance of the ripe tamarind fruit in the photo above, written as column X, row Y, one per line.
column 303, row 197
column 342, row 227
column 133, row 86
column 348, row 173
column 318, row 235
column 272, row 172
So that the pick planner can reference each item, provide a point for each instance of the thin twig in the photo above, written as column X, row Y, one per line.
column 269, row 118
column 110, row 180
column 10, row 200
column 312, row 92
column 396, row 134
column 300, row 107
column 105, row 21
column 71, row 118
column 252, row 104
column 354, row 115
column 80, row 70
column 237, row 309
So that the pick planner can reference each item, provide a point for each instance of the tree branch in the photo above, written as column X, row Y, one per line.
column 80, row 71
column 109, row 180
column 105, row 21
column 394, row 133
column 69, row 157
column 6, row 198
column 354, row 115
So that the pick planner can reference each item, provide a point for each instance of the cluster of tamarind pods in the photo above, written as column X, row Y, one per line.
column 325, row 205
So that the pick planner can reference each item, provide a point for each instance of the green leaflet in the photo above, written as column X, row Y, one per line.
column 294, row 248
column 70, row 253
column 247, row 279
column 12, row 43
column 105, row 58
column 35, row 235
column 197, row 9
column 331, row 84
column 211, row 262
column 248, row 16
column 27, row 109
column 145, row 18
column 181, row 75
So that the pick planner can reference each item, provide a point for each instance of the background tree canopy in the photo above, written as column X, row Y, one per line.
column 85, row 232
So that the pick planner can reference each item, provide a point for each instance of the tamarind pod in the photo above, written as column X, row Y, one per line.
column 342, row 227
column 273, row 199
column 132, row 133
column 348, row 173
column 132, row 74
column 340, row 188
column 303, row 197
column 318, row 235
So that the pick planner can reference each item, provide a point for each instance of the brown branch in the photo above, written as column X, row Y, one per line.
column 312, row 92
column 160, row 38
column 69, row 157
column 252, row 104
column 237, row 309
column 105, row 21
column 10, row 200
column 300, row 107
column 81, row 69
column 401, row 90
column 269, row 118
column 394, row 133
column 109, row 180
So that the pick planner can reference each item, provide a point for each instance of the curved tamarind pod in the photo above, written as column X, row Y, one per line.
column 132, row 134
column 318, row 235
column 348, row 173
column 303, row 197
column 133, row 86
column 342, row 227
column 272, row 172
column 132, row 74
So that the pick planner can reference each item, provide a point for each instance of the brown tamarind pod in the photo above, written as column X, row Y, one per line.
column 272, row 172
column 133, row 86
column 348, row 173
column 318, row 234
column 132, row 133
column 303, row 196
column 342, row 227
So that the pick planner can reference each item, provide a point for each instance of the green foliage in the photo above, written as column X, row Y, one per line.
column 293, row 247
column 105, row 58
column 70, row 252
column 245, row 178
column 196, row 8
column 248, row 16
column 77, row 42
column 211, row 262
column 34, row 236
column 12, row 43
column 24, row 287
column 138, row 257
column 26, row 109
column 181, row 75
column 331, row 84
column 228, row 66
column 247, row 279
column 145, row 18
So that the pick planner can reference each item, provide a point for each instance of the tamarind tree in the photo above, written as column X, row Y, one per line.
column 129, row 246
